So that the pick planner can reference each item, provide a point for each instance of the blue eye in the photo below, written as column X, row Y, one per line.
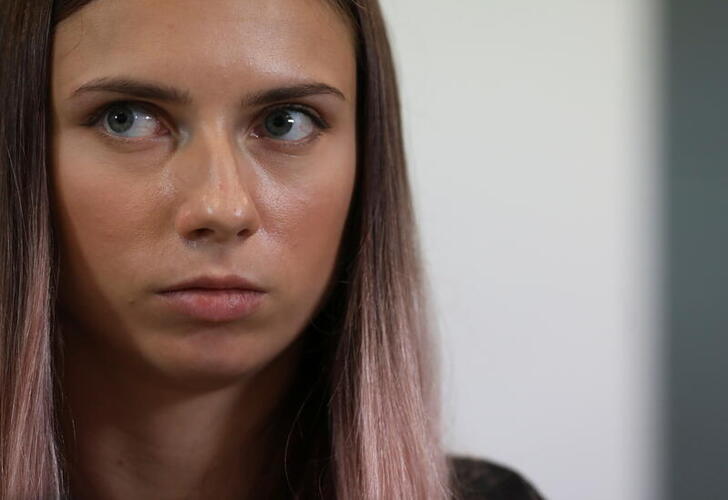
column 128, row 120
column 289, row 124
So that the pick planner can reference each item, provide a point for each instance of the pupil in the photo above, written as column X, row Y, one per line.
column 279, row 123
column 121, row 119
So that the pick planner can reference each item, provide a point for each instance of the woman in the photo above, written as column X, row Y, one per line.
column 211, row 285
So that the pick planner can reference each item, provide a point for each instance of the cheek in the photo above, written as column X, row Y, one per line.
column 307, row 225
column 102, row 217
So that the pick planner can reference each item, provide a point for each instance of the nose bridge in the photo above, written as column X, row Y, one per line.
column 220, row 201
column 220, row 162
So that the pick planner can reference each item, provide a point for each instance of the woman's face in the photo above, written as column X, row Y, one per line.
column 197, row 139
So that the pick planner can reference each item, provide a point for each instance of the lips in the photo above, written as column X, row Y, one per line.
column 216, row 283
column 213, row 305
column 214, row 299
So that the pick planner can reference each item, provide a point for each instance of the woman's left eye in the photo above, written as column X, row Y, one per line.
column 289, row 124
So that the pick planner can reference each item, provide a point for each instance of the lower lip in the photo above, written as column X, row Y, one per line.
column 214, row 305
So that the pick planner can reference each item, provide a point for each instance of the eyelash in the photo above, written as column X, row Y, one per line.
column 94, row 119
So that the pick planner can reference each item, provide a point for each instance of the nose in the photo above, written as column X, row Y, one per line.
column 218, row 191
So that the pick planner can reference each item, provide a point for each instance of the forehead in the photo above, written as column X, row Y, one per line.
column 208, row 47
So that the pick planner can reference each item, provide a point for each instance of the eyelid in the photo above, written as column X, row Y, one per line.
column 96, row 115
column 314, row 115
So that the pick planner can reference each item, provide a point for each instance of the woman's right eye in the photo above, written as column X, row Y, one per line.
column 129, row 121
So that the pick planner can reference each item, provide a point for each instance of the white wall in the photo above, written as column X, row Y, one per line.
column 531, row 131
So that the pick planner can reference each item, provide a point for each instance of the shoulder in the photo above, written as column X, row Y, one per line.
column 479, row 479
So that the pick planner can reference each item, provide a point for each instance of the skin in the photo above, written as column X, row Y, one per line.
column 163, row 406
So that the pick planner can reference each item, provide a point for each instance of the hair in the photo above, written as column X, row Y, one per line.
column 363, row 419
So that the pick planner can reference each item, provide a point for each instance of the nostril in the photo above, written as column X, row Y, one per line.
column 201, row 233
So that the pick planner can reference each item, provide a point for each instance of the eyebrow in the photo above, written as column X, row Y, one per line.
column 149, row 90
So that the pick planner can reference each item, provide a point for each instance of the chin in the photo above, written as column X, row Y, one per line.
column 217, row 357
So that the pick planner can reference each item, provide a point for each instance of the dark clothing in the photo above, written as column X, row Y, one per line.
column 478, row 479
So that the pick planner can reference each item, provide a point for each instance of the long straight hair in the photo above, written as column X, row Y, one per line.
column 364, row 418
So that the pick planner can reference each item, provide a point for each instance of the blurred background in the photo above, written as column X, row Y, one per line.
column 568, row 163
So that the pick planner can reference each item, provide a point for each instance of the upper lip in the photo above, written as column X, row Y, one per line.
column 230, row 281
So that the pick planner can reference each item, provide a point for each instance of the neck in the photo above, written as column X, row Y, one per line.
column 129, row 435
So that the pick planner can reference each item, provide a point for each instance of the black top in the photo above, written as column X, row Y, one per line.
column 478, row 479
